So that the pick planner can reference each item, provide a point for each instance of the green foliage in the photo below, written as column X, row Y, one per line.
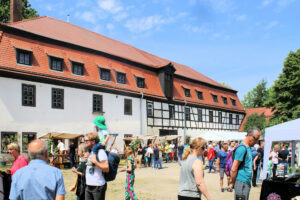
column 225, row 84
column 257, row 96
column 7, row 139
column 50, row 142
column 134, row 145
column 285, row 93
column 187, row 139
column 27, row 13
column 255, row 120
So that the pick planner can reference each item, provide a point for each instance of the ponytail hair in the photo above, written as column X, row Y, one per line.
column 196, row 143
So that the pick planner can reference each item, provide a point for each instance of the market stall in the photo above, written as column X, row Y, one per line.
column 281, row 188
column 222, row 135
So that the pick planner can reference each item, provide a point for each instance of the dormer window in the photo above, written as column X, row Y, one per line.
column 225, row 100
column 77, row 68
column 187, row 92
column 121, row 78
column 24, row 57
column 140, row 82
column 200, row 95
column 215, row 98
column 233, row 101
column 56, row 64
column 104, row 74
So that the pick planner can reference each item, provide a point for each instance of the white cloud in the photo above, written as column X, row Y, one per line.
column 121, row 16
column 240, row 17
column 271, row 25
column 112, row 6
column 196, row 29
column 110, row 26
column 145, row 23
column 284, row 3
column 87, row 16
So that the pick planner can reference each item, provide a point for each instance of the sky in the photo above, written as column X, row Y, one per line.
column 238, row 42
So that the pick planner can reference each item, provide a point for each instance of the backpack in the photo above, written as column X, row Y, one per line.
column 113, row 163
column 230, row 159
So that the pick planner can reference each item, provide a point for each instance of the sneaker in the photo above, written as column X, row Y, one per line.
column 229, row 190
column 222, row 190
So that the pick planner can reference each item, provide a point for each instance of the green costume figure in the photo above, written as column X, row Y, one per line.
column 129, row 190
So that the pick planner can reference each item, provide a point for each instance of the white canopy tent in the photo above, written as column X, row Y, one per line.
column 285, row 132
column 222, row 135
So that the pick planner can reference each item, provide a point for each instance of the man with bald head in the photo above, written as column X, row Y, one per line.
column 37, row 180
column 241, row 171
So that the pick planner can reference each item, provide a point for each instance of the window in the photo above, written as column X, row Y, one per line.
column 6, row 139
column 56, row 64
column 97, row 103
column 225, row 100
column 24, row 57
column 121, row 78
column 237, row 119
column 200, row 115
column 104, row 74
column 77, row 68
column 233, row 101
column 215, row 98
column 168, row 77
column 27, row 137
column 187, row 92
column 187, row 114
column 57, row 98
column 230, row 118
column 172, row 112
column 28, row 95
column 220, row 117
column 200, row 95
column 149, row 109
column 140, row 82
column 211, row 116
column 127, row 107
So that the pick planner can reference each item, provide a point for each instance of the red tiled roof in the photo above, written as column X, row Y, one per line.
column 262, row 110
column 67, row 32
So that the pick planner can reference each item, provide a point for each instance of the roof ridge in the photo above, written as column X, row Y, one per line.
column 26, row 20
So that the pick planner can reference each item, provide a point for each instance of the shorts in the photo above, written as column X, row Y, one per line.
column 171, row 154
column 222, row 172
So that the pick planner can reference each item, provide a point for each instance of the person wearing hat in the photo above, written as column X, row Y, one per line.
column 102, row 133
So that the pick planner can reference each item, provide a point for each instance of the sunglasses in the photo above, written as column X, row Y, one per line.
column 255, row 138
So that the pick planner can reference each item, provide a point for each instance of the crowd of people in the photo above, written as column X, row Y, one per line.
column 38, row 180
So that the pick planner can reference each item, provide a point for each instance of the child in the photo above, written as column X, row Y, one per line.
column 129, row 190
column 270, row 168
column 102, row 134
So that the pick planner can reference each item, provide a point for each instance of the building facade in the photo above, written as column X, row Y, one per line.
column 57, row 77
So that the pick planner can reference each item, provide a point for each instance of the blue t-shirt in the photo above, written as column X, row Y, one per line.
column 222, row 155
column 245, row 169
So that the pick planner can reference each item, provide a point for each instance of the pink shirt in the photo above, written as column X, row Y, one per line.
column 20, row 162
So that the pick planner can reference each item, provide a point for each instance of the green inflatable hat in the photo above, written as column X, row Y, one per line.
column 100, row 122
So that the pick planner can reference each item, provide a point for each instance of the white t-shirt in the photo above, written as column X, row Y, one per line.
column 274, row 159
column 149, row 151
column 97, row 178
column 61, row 146
column 171, row 147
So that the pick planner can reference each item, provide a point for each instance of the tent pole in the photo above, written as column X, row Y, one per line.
column 293, row 152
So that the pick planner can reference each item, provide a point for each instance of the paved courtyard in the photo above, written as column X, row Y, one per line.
column 159, row 185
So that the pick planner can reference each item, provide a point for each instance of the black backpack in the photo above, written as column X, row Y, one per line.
column 113, row 163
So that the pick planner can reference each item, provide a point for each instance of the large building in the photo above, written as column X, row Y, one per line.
column 57, row 77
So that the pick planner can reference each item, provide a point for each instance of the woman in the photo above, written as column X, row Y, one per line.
column 191, row 183
column 129, row 190
column 211, row 158
column 274, row 155
column 20, row 161
column 80, row 171
column 140, row 154
column 148, row 155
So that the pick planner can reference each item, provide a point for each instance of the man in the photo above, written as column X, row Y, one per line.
column 221, row 164
column 172, row 151
column 95, row 182
column 61, row 147
column 282, row 157
column 241, row 171
column 38, row 180
column 274, row 155
column 211, row 158
column 72, row 148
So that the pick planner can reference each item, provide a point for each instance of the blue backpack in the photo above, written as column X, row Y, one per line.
column 113, row 163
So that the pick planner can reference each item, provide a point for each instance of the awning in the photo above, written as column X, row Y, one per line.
column 170, row 137
column 61, row 136
column 222, row 135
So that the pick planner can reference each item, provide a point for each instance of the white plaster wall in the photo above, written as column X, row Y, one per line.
column 76, row 117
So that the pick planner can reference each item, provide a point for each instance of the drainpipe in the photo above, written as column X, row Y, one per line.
column 141, row 114
column 184, row 129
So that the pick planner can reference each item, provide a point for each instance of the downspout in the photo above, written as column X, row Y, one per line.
column 184, row 129
column 141, row 114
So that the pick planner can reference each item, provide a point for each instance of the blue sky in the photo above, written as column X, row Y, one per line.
column 238, row 42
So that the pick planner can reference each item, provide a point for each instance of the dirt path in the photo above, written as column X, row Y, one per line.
column 161, row 184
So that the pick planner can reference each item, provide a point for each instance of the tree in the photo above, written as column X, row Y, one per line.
column 27, row 11
column 285, row 93
column 257, row 96
column 255, row 120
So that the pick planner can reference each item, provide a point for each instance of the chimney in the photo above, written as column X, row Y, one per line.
column 15, row 10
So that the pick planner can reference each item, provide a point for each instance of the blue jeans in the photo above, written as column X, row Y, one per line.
column 179, row 158
column 258, row 172
column 211, row 165
column 156, row 161
column 167, row 157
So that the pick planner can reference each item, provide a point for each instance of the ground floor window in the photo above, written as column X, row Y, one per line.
column 27, row 137
column 6, row 139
